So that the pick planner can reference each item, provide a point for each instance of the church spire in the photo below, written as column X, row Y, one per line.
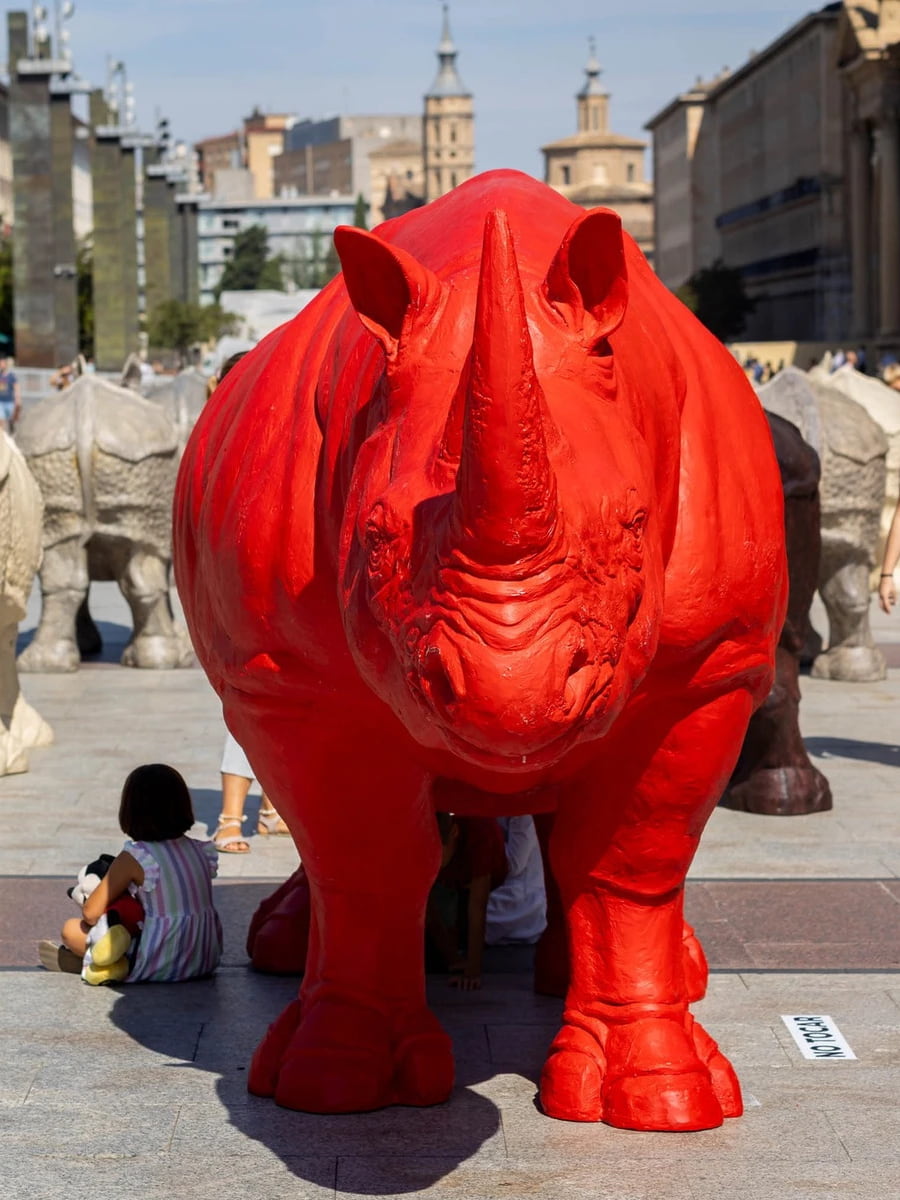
column 593, row 101
column 447, row 82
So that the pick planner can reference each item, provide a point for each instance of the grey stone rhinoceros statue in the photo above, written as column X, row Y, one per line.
column 182, row 397
column 852, row 448
column 105, row 460
column 882, row 403
column 21, row 513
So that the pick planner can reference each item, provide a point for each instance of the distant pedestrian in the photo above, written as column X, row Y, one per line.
column 10, row 400
column 887, row 593
column 170, row 875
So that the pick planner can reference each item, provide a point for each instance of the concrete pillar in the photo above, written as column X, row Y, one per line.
column 64, row 274
column 889, row 226
column 115, row 242
column 176, row 240
column 33, row 229
column 158, row 284
column 131, row 319
column 860, row 208
column 190, row 264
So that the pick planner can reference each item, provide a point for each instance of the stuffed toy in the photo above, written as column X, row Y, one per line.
column 109, row 941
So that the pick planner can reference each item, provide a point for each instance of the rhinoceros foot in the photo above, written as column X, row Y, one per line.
column 57, row 657
column 781, row 792
column 613, row 1075
column 29, row 726
column 157, row 653
column 852, row 664
column 13, row 759
column 342, row 1056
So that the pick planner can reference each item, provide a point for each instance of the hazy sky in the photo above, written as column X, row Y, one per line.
column 205, row 63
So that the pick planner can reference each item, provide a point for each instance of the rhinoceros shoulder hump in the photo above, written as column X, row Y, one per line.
column 129, row 427
column 790, row 396
column 49, row 425
column 849, row 430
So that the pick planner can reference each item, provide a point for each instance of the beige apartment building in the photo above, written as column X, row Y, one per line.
column 597, row 167
column 788, row 169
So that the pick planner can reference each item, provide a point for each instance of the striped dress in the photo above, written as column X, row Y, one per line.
column 181, row 936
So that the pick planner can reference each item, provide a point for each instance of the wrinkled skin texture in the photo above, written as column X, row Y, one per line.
column 475, row 517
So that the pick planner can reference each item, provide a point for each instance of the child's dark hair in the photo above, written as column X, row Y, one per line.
column 156, row 804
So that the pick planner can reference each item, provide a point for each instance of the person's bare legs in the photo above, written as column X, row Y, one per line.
column 67, row 957
column 227, row 837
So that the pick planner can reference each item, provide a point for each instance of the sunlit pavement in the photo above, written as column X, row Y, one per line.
column 144, row 1088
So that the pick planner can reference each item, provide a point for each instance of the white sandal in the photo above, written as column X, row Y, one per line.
column 232, row 843
column 270, row 824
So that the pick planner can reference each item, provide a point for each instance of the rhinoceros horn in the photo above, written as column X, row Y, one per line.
column 505, row 506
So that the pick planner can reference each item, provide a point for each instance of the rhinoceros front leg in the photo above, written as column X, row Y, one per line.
column 629, row 1052
column 155, row 642
column 64, row 588
column 360, row 1036
column 844, row 587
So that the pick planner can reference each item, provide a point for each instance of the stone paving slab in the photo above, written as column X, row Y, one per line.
column 775, row 924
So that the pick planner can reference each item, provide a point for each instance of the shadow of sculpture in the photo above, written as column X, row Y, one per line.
column 838, row 747
column 212, row 1026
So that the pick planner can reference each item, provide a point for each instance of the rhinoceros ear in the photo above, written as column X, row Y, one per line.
column 389, row 289
column 587, row 282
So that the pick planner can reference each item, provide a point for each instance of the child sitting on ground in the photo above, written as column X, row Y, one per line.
column 473, row 863
column 168, row 873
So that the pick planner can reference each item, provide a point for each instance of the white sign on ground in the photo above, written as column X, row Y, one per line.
column 818, row 1037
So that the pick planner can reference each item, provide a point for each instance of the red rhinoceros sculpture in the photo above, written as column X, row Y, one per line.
column 493, row 509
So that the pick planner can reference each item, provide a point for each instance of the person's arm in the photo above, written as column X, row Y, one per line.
column 122, row 871
column 886, row 593
column 470, row 978
column 17, row 401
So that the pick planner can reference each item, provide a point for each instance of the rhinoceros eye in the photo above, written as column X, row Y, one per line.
column 636, row 526
column 633, row 539
column 377, row 540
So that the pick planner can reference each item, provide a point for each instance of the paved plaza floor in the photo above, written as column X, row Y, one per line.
column 104, row 1091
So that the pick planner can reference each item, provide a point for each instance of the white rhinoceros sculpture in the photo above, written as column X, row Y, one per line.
column 852, row 448
column 105, row 460
column 21, row 513
column 882, row 403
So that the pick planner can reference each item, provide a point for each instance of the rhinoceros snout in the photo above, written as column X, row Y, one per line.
column 510, row 703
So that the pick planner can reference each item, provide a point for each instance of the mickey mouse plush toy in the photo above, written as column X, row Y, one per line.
column 109, row 941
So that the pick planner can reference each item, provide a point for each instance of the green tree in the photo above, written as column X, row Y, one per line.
column 360, row 212
column 716, row 296
column 6, row 294
column 250, row 266
column 175, row 325
column 84, row 270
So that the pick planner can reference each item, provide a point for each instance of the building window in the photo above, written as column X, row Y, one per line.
column 595, row 119
column 629, row 172
column 453, row 179
column 566, row 174
column 452, row 133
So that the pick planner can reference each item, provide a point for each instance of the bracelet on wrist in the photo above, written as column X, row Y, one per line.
column 887, row 574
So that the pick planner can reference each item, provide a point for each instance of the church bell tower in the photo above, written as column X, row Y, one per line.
column 448, row 124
